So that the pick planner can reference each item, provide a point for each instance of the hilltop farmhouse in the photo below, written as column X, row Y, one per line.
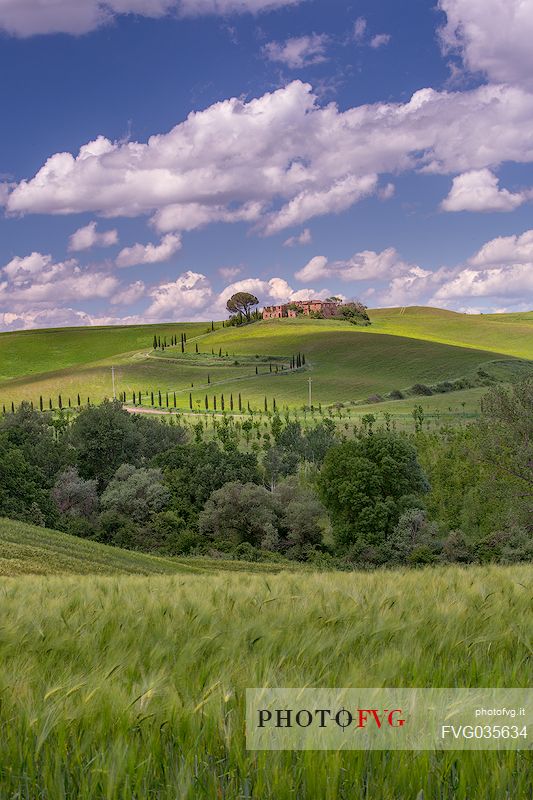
column 327, row 308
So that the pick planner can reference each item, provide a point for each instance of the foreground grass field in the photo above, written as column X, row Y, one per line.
column 133, row 687
column 345, row 363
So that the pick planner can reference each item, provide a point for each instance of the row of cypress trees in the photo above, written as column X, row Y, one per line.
column 162, row 343
column 297, row 361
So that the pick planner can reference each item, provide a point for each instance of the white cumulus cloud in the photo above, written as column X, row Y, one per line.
column 478, row 190
column 363, row 266
column 380, row 40
column 37, row 279
column 302, row 238
column 87, row 237
column 504, row 250
column 149, row 253
column 129, row 295
column 281, row 159
column 29, row 17
column 300, row 51
column 492, row 36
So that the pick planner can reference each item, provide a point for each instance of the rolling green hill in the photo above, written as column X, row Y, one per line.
column 30, row 550
column 346, row 363
column 501, row 333
column 26, row 353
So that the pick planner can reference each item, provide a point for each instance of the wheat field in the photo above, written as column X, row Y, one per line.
column 124, row 687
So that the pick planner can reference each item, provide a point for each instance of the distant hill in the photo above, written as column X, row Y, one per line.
column 346, row 363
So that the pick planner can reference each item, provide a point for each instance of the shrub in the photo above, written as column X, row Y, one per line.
column 421, row 389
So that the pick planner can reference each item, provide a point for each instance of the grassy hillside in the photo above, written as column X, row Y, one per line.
column 29, row 353
column 344, row 362
column 30, row 550
column 501, row 333
column 134, row 687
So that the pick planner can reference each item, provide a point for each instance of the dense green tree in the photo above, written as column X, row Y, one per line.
column 194, row 471
column 136, row 493
column 22, row 488
column 287, row 521
column 242, row 303
column 366, row 484
column 279, row 462
column 240, row 512
column 414, row 540
column 318, row 440
column 355, row 312
column 41, row 443
column 106, row 436
column 75, row 496
column 505, row 441
column 302, row 519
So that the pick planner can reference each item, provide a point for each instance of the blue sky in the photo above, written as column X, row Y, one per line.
column 157, row 155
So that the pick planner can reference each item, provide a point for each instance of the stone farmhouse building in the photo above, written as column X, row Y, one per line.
column 327, row 308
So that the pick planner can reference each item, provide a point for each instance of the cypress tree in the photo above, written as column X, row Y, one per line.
column 134, row 398
column 159, row 341
column 152, row 397
column 155, row 342
column 79, row 400
column 220, row 352
column 166, row 398
column 88, row 401
column 231, row 402
column 208, row 379
column 222, row 402
column 174, row 399
column 266, row 404
column 240, row 402
column 50, row 402
column 140, row 399
column 206, row 403
column 4, row 408
column 274, row 405
column 190, row 401
column 303, row 360
column 249, row 409
column 256, row 370
column 215, row 402
column 212, row 326
column 41, row 402
column 60, row 402
column 69, row 405
column 12, row 407
column 270, row 366
column 159, row 398
column 182, row 344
